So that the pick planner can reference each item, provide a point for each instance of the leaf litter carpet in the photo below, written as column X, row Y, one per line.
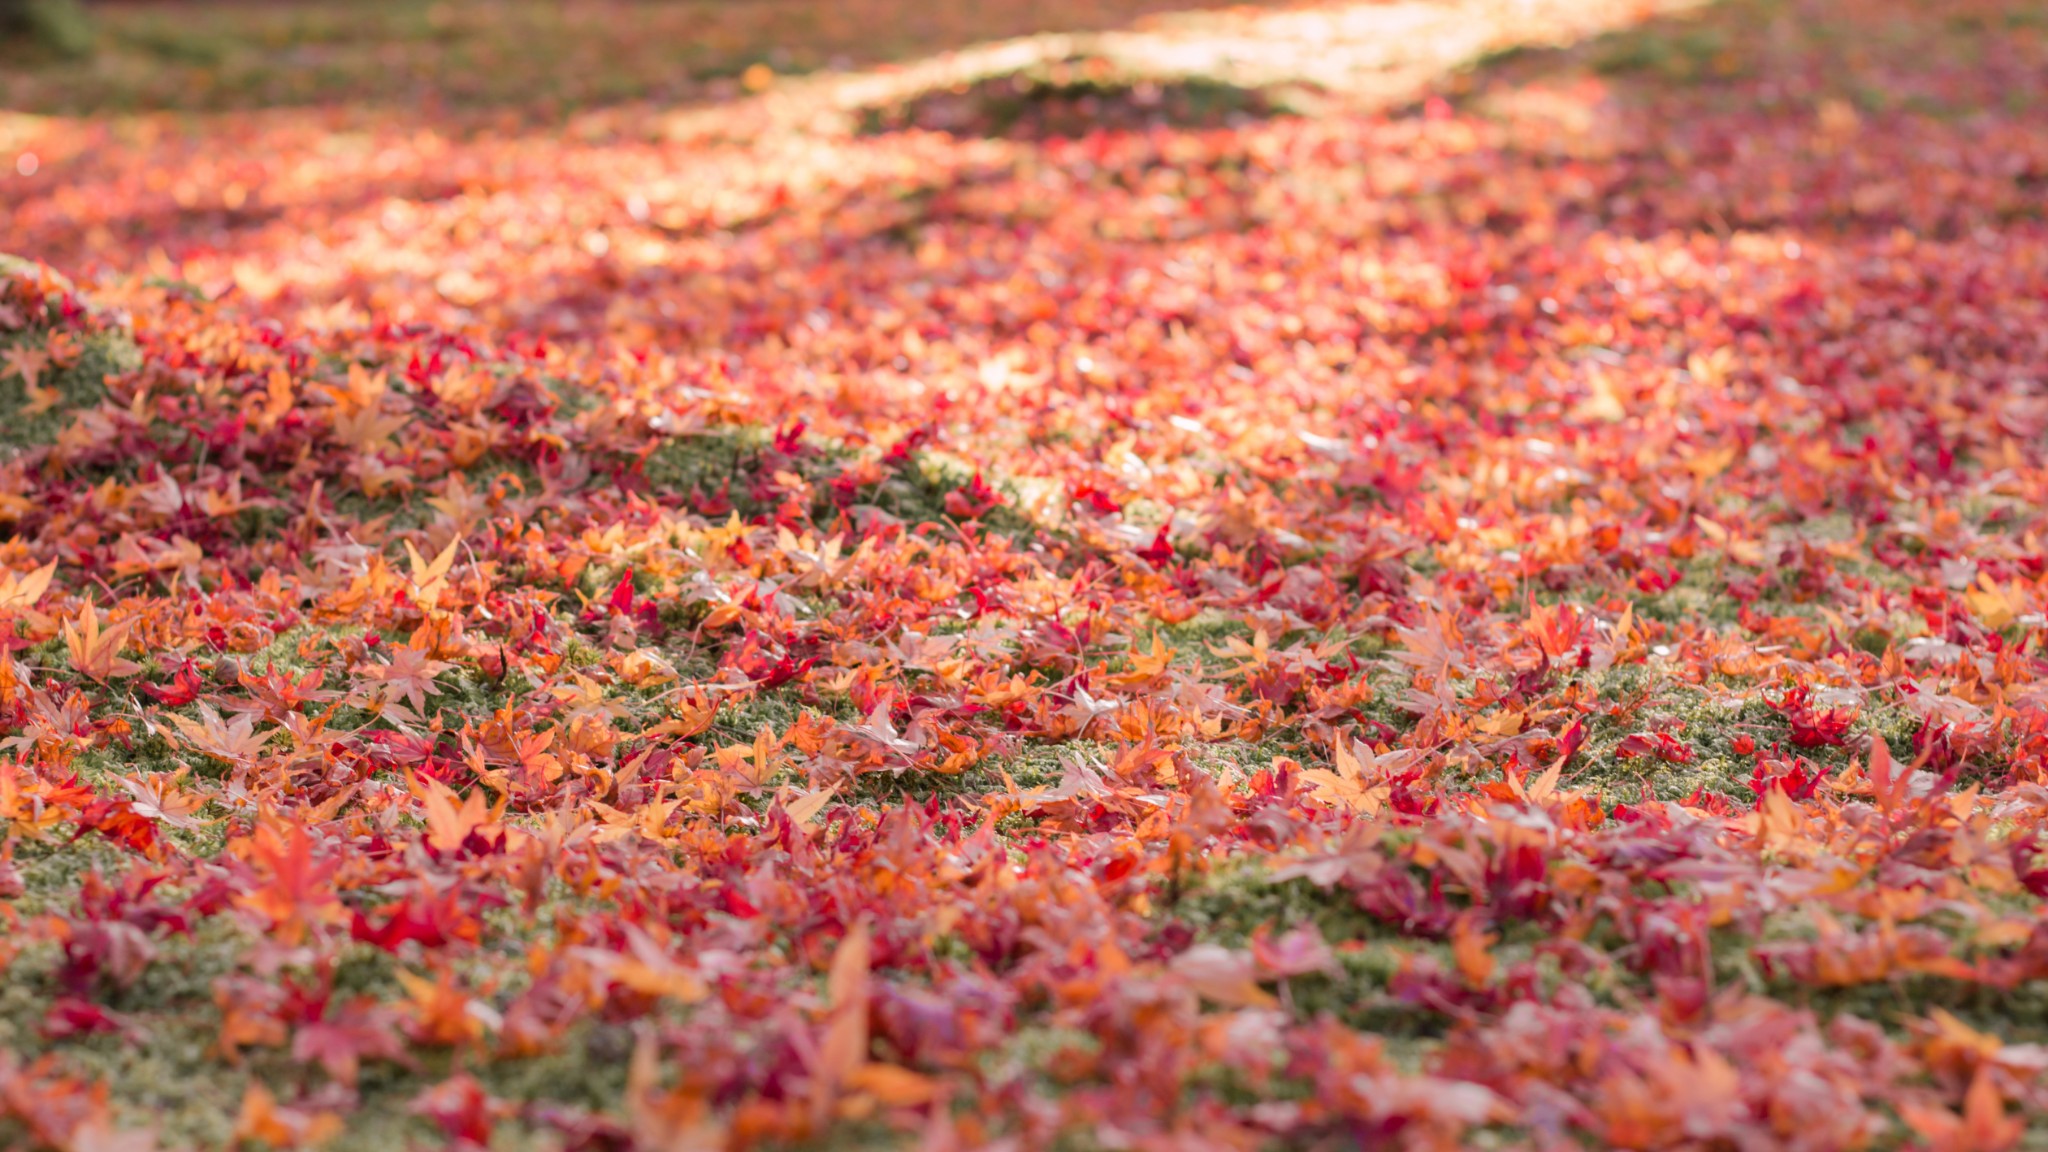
column 1074, row 607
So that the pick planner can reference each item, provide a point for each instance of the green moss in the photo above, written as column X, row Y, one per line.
column 1041, row 763
column 727, row 464
column 741, row 716
column 2018, row 1015
column 586, row 1070
column 467, row 692
column 704, row 464
column 284, row 654
column 52, row 867
column 1242, row 758
column 78, row 385
column 1700, row 595
column 166, row 1074
column 1033, row 1047
column 1225, row 906
column 1205, row 629
column 163, row 1070
column 145, row 752
column 916, row 494
column 1709, row 721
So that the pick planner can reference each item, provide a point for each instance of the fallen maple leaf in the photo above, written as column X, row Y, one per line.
column 1222, row 975
column 27, row 361
column 452, row 820
column 234, row 741
column 1982, row 1126
column 430, row 577
column 805, row 808
column 295, row 891
column 1359, row 782
column 263, row 1120
column 164, row 798
column 22, row 590
column 95, row 653
column 1471, row 948
column 410, row 673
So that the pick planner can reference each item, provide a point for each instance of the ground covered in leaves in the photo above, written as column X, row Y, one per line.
column 1147, row 588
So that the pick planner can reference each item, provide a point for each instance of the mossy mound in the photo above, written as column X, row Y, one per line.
column 56, row 351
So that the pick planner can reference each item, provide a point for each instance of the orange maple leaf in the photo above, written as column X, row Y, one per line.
column 297, row 892
column 450, row 818
column 23, row 589
column 97, row 653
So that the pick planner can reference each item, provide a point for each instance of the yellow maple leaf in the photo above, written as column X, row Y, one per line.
column 22, row 590
column 1145, row 666
column 1993, row 606
column 754, row 763
column 805, row 808
column 95, row 653
column 1359, row 782
column 430, row 579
